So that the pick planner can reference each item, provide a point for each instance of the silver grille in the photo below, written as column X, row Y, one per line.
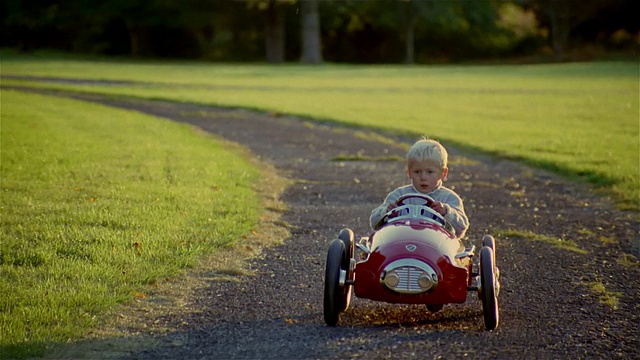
column 403, row 276
column 408, row 279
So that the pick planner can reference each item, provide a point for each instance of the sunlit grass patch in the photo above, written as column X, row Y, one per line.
column 462, row 161
column 585, row 232
column 607, row 298
column 369, row 135
column 361, row 157
column 578, row 120
column 607, row 240
column 215, row 114
column 518, row 194
column 628, row 260
column 98, row 203
column 530, row 235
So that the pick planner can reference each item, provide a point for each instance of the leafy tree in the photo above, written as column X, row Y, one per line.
column 29, row 24
column 311, row 31
column 362, row 30
column 564, row 16
column 403, row 30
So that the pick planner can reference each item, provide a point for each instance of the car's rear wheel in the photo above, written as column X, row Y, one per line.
column 347, row 237
column 334, row 294
column 434, row 308
column 488, row 288
column 489, row 241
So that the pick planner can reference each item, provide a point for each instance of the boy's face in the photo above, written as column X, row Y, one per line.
column 426, row 176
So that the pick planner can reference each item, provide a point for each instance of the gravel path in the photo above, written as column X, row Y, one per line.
column 547, row 310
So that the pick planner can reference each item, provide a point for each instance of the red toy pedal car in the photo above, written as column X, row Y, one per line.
column 413, row 257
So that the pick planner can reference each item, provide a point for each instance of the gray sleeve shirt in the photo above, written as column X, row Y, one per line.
column 452, row 202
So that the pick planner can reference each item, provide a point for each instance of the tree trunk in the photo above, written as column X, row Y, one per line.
column 407, row 24
column 410, row 47
column 311, row 53
column 274, row 33
column 136, row 40
column 559, row 34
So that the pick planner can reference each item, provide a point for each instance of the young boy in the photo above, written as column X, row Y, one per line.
column 427, row 169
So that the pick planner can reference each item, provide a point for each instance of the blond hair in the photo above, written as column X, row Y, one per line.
column 428, row 150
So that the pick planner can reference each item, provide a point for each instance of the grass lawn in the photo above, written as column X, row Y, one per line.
column 96, row 204
column 580, row 119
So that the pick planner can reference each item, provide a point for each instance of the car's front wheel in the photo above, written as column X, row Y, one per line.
column 347, row 237
column 334, row 294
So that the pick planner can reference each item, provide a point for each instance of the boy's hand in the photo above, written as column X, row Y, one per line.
column 439, row 207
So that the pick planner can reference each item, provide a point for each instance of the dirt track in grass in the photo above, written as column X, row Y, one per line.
column 547, row 308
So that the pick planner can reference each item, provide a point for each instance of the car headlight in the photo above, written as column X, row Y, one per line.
column 425, row 281
column 391, row 279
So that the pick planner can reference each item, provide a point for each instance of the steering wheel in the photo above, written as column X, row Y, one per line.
column 400, row 202
column 428, row 201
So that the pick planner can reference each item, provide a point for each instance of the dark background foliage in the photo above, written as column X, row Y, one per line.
column 373, row 31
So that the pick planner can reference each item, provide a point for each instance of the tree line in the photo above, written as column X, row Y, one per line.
column 313, row 31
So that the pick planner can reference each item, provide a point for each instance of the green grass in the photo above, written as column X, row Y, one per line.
column 530, row 235
column 605, row 297
column 579, row 120
column 351, row 157
column 98, row 203
column 628, row 260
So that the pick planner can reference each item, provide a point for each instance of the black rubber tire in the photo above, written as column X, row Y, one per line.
column 488, row 293
column 434, row 308
column 347, row 237
column 489, row 241
column 334, row 298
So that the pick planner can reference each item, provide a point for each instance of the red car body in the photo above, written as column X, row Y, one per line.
column 418, row 240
